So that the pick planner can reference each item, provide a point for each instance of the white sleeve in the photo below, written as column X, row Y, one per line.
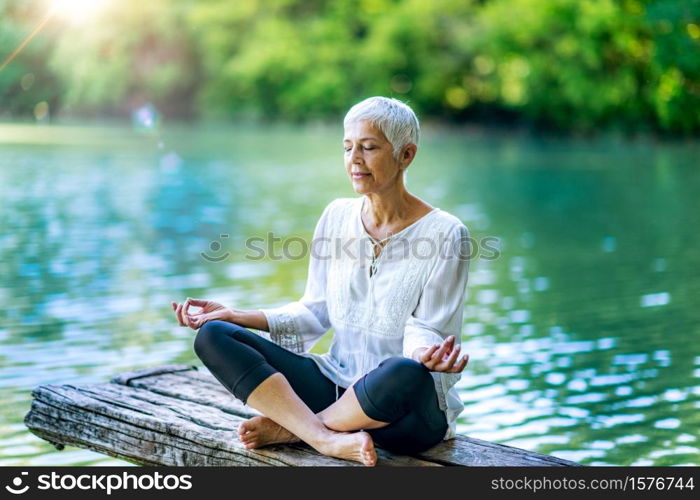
column 440, row 307
column 298, row 325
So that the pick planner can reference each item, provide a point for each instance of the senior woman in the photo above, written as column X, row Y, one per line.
column 388, row 272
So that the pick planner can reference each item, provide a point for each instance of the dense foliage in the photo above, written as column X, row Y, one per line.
column 571, row 64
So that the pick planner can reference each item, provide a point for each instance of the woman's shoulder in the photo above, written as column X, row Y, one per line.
column 343, row 202
column 335, row 215
column 453, row 241
column 338, row 207
column 448, row 223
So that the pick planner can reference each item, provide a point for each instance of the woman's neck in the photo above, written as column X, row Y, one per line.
column 388, row 209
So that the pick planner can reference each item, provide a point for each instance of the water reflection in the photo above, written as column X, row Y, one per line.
column 583, row 334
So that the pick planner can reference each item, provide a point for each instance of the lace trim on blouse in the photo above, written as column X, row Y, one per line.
column 285, row 333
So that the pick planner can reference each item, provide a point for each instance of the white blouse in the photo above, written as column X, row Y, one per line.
column 414, row 298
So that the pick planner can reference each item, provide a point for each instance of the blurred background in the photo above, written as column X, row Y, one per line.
column 133, row 135
column 567, row 64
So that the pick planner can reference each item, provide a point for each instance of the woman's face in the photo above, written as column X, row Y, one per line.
column 369, row 158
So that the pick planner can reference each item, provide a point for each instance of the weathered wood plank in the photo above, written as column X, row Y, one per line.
column 202, row 387
column 133, row 423
column 125, row 378
column 86, row 418
column 464, row 450
column 178, row 415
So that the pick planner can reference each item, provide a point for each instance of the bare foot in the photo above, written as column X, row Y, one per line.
column 357, row 446
column 261, row 431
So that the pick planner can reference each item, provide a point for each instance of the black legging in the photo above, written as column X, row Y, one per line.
column 399, row 390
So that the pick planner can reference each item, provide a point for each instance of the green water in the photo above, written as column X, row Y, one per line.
column 584, row 334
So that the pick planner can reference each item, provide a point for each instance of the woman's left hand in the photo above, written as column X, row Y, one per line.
column 442, row 357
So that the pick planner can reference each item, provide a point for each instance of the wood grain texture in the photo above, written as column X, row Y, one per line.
column 178, row 415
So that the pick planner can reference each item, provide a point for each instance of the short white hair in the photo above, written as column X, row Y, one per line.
column 394, row 118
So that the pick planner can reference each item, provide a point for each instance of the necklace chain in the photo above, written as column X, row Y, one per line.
column 375, row 257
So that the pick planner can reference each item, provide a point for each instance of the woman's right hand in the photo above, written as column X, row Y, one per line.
column 209, row 311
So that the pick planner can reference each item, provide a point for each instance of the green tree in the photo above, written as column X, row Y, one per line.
column 675, row 64
column 571, row 64
column 133, row 52
column 26, row 80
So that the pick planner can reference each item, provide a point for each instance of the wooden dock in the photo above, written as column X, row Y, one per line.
column 178, row 415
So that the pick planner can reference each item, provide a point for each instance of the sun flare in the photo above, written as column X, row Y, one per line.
column 71, row 10
column 76, row 9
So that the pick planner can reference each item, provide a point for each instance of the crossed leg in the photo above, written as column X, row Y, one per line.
column 288, row 419
column 344, row 415
column 395, row 403
column 233, row 355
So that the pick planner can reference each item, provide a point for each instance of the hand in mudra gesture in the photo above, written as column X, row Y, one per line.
column 442, row 357
column 209, row 311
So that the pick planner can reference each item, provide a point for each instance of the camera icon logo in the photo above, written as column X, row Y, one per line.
column 17, row 483
column 215, row 246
